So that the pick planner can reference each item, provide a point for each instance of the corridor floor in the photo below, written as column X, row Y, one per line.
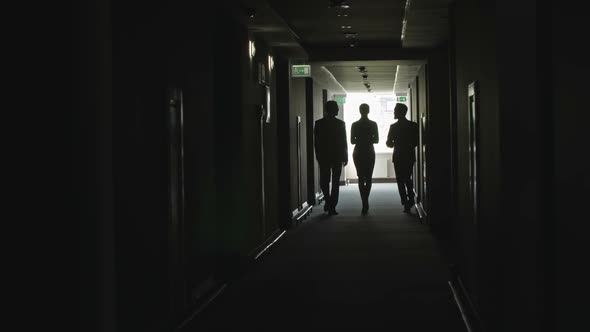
column 380, row 272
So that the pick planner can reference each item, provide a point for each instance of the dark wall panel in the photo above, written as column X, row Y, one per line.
column 500, row 264
column 477, row 238
column 140, row 169
column 284, row 147
column 161, row 271
column 312, row 173
column 91, row 163
column 438, row 140
column 271, row 156
column 524, row 161
column 565, row 134
column 421, row 162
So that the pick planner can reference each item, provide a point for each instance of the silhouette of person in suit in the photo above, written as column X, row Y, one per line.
column 363, row 135
column 331, row 153
column 403, row 138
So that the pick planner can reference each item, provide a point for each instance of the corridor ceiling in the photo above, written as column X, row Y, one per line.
column 367, row 33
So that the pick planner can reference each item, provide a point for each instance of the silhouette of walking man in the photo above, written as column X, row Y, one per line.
column 403, row 138
column 331, row 152
column 363, row 135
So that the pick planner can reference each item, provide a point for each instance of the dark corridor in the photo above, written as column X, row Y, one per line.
column 197, row 181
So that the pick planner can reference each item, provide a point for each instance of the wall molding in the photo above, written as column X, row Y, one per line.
column 266, row 244
column 213, row 289
column 421, row 212
column 461, row 306
column 319, row 198
column 301, row 213
column 212, row 293
column 469, row 312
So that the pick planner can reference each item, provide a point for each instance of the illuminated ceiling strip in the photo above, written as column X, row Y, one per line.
column 395, row 80
column 405, row 21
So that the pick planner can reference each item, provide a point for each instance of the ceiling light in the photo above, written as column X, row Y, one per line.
column 338, row 4
column 346, row 27
column 350, row 34
column 252, row 49
column 342, row 15
column 251, row 12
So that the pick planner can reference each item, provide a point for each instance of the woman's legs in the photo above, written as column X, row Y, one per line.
column 364, row 168
column 359, row 164
column 369, row 178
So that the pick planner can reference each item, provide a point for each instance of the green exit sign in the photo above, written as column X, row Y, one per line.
column 401, row 99
column 340, row 99
column 301, row 71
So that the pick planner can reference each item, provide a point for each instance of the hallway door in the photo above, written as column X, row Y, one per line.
column 267, row 166
column 176, row 203
column 299, row 165
column 264, row 113
column 424, row 144
column 416, row 117
column 473, row 144
column 312, row 171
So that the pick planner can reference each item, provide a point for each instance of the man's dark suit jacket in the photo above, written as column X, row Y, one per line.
column 330, row 140
column 403, row 138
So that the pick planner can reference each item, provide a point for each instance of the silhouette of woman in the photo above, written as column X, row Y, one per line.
column 363, row 135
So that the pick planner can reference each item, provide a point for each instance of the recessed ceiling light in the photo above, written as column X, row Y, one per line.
column 342, row 15
column 252, row 48
column 338, row 4
column 346, row 27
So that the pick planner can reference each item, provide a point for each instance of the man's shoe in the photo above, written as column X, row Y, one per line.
column 332, row 213
column 408, row 208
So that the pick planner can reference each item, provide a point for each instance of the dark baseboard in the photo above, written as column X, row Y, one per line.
column 267, row 244
column 466, row 307
column 319, row 198
column 301, row 213
column 421, row 212
column 461, row 307
column 212, row 292
column 215, row 287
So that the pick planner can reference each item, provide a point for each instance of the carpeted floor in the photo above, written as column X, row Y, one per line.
column 380, row 272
